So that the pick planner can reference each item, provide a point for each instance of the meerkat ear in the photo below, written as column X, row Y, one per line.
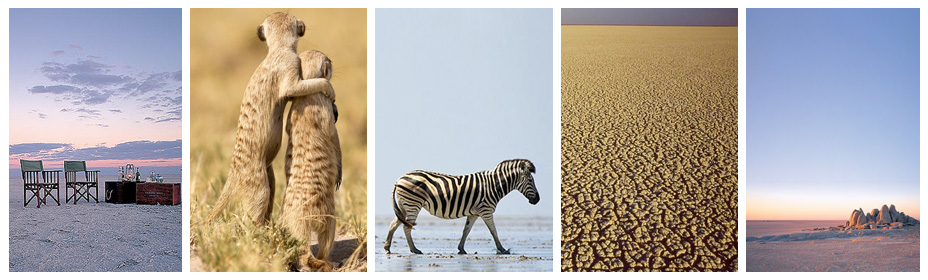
column 301, row 28
column 325, row 68
column 261, row 32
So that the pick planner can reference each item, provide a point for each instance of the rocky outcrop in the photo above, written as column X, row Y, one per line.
column 885, row 217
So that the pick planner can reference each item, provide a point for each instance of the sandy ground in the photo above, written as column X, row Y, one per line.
column 93, row 236
column 854, row 250
column 528, row 239
column 649, row 147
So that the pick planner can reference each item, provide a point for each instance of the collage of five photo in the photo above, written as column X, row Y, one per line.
column 241, row 140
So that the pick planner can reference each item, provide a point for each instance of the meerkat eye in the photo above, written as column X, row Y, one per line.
column 261, row 32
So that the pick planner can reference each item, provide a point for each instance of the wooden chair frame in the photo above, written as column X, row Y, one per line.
column 81, row 188
column 40, row 182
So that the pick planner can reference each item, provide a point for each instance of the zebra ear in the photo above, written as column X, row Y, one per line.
column 529, row 166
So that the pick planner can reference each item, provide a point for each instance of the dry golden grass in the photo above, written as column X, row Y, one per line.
column 224, row 52
column 649, row 145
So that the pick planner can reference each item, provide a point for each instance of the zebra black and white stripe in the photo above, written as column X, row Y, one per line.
column 451, row 197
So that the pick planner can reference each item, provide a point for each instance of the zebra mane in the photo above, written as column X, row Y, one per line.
column 433, row 173
column 531, row 166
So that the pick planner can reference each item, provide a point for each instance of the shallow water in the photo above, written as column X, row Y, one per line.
column 94, row 236
column 529, row 239
column 758, row 228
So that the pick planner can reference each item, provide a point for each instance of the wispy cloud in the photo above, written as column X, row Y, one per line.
column 88, row 81
column 156, row 82
column 39, row 114
column 55, row 89
column 35, row 147
column 84, row 113
column 84, row 72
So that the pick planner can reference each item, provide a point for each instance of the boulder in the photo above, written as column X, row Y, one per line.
column 855, row 218
column 885, row 217
column 893, row 213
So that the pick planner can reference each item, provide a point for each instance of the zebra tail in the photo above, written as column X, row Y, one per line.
column 400, row 215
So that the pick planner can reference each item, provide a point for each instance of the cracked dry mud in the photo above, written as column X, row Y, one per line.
column 649, row 145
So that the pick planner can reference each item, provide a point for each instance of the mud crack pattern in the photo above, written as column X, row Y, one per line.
column 649, row 147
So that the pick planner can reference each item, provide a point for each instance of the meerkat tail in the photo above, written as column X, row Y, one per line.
column 400, row 214
column 220, row 204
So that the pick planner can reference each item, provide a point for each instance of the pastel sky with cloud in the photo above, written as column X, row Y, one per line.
column 102, row 85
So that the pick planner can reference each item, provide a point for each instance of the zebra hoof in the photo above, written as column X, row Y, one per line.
column 502, row 252
column 416, row 251
column 462, row 252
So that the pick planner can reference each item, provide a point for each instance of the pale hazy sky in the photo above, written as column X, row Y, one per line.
column 832, row 112
column 675, row 17
column 460, row 90
column 102, row 85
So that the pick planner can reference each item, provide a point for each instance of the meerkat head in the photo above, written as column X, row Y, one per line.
column 315, row 64
column 281, row 30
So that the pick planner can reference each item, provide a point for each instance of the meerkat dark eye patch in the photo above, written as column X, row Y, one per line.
column 261, row 33
column 301, row 28
column 335, row 110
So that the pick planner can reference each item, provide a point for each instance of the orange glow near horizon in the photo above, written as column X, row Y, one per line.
column 812, row 205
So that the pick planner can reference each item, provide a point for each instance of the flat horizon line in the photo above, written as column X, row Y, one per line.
column 20, row 177
column 763, row 220
column 707, row 25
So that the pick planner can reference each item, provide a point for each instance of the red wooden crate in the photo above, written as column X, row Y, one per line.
column 158, row 193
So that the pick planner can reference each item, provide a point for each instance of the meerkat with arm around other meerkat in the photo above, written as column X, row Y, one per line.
column 260, row 124
column 313, row 166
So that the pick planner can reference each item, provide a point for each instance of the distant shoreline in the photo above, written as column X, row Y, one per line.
column 632, row 25
column 812, row 220
column 20, row 177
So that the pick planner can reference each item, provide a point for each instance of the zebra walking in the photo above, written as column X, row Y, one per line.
column 451, row 197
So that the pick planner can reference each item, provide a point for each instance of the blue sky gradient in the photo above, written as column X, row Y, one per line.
column 460, row 90
column 832, row 111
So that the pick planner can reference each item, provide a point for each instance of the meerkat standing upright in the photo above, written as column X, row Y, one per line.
column 261, row 121
column 313, row 166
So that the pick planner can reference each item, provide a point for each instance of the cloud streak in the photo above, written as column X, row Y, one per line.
column 133, row 150
column 89, row 82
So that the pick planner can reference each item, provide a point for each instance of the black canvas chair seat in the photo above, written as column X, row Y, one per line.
column 39, row 182
column 81, row 189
